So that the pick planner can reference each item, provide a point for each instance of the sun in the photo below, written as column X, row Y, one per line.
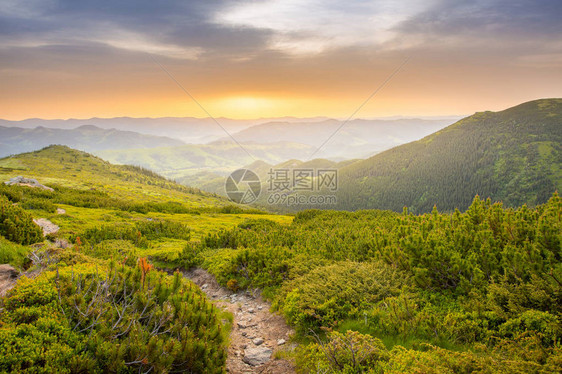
column 248, row 106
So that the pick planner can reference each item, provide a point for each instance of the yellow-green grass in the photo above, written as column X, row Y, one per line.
column 69, row 168
column 79, row 219
column 164, row 250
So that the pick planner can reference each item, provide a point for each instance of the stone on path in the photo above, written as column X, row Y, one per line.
column 255, row 356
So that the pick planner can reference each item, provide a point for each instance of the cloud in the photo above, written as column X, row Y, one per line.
column 243, row 29
column 312, row 26
column 487, row 20
column 173, row 28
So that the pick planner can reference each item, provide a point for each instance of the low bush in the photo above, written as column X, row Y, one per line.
column 17, row 225
column 164, row 229
column 347, row 353
column 329, row 294
column 118, row 319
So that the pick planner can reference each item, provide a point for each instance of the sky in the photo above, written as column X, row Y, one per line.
column 272, row 58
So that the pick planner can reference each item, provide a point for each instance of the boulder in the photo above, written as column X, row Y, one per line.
column 256, row 356
column 30, row 182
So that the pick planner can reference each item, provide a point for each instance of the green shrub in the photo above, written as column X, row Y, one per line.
column 348, row 353
column 117, row 319
column 329, row 294
column 39, row 204
column 118, row 250
column 17, row 225
column 13, row 254
column 164, row 229
column 97, row 235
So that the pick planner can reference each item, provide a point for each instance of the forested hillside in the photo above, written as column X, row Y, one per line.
column 514, row 156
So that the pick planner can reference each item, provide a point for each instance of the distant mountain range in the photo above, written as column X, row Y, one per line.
column 514, row 156
column 214, row 182
column 357, row 138
column 196, row 151
column 14, row 140
column 188, row 129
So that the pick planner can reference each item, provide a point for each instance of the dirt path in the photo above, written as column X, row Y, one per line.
column 256, row 332
column 8, row 278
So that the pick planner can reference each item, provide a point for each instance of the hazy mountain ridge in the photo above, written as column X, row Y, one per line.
column 357, row 138
column 214, row 182
column 187, row 129
column 88, row 138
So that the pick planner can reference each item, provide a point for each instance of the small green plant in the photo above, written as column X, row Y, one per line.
column 17, row 225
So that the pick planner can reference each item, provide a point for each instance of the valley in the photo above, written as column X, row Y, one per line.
column 115, row 268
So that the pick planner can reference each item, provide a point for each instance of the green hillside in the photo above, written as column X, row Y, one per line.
column 95, row 193
column 380, row 291
column 93, row 299
column 67, row 167
column 514, row 156
column 384, row 292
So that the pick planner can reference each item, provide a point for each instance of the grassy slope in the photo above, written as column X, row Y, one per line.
column 59, row 165
column 514, row 155
column 70, row 168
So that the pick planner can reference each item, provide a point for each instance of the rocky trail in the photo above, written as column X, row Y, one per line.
column 256, row 333
column 8, row 278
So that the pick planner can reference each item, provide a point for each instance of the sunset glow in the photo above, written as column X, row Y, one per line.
column 275, row 58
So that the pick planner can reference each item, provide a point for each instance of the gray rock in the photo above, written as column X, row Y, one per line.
column 47, row 226
column 256, row 356
column 251, row 310
column 257, row 341
column 244, row 325
column 27, row 182
column 281, row 341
